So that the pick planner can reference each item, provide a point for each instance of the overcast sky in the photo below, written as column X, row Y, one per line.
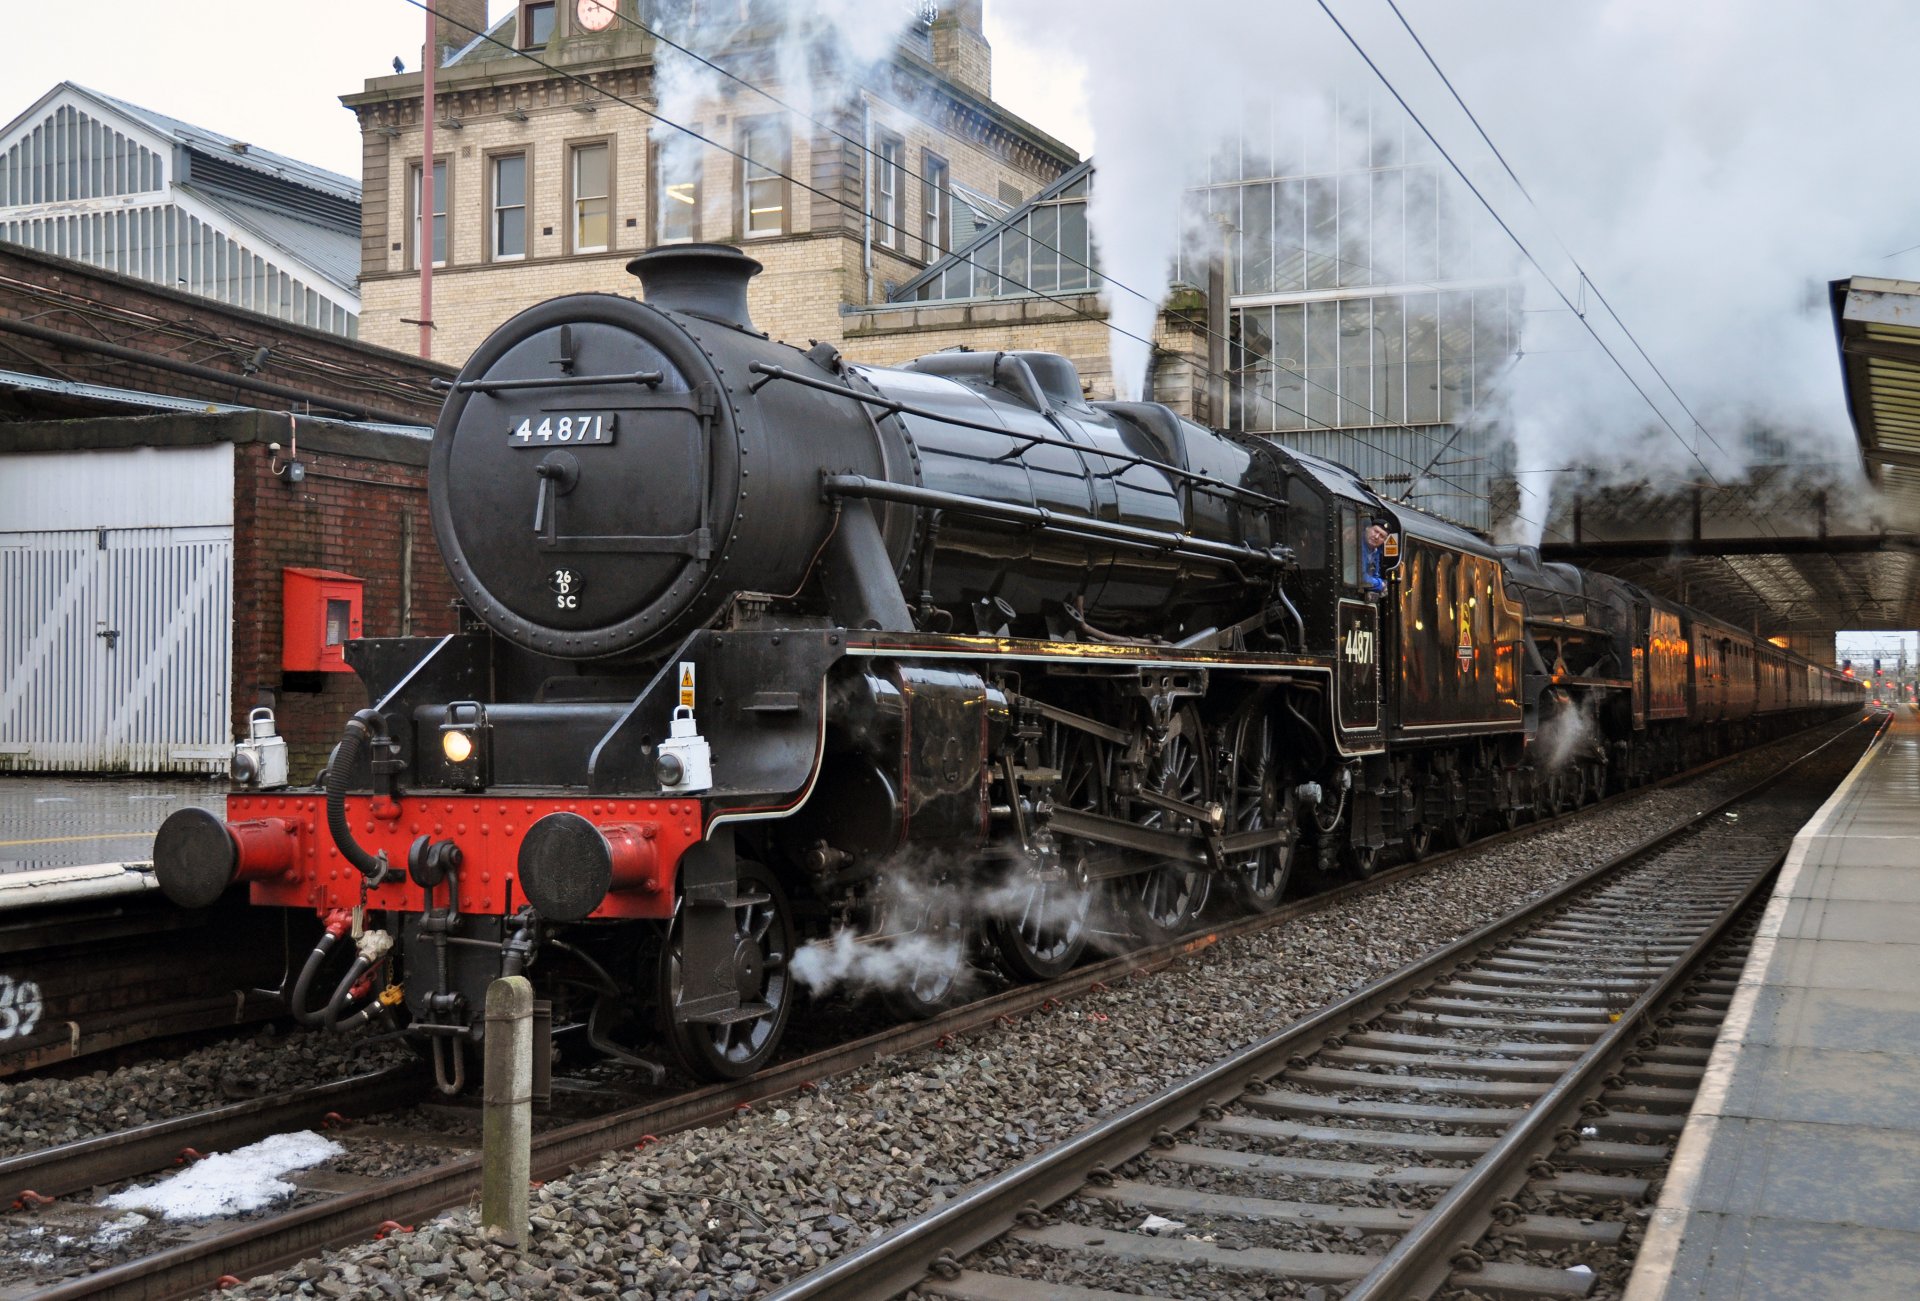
column 272, row 73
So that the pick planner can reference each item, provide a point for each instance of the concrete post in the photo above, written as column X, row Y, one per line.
column 507, row 1109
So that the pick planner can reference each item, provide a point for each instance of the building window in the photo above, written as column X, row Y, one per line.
column 592, row 198
column 439, row 215
column 936, row 207
column 733, row 12
column 763, row 185
column 509, row 207
column 536, row 26
column 676, row 191
column 889, row 191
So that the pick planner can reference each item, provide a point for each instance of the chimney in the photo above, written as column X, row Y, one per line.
column 707, row 280
column 448, row 32
column 960, row 49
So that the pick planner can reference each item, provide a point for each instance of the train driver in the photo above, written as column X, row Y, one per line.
column 1370, row 556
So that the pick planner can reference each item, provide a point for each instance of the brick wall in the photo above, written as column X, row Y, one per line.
column 360, row 503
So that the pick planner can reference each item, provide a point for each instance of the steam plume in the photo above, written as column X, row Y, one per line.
column 1711, row 167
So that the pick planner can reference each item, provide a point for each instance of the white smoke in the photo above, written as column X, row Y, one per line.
column 820, row 54
column 863, row 964
column 1565, row 735
column 910, row 936
column 1711, row 167
column 909, row 942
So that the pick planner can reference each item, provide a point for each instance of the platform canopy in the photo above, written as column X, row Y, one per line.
column 1879, row 326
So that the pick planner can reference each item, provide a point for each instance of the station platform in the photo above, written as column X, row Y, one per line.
column 1798, row 1174
column 66, row 838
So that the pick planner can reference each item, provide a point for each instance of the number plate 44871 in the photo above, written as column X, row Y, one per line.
column 571, row 429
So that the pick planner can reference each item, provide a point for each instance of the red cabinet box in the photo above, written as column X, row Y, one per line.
column 321, row 613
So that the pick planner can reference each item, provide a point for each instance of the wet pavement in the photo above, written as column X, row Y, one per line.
column 50, row 821
column 1795, row 1176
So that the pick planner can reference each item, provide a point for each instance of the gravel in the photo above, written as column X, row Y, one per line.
column 40, row 1112
column 734, row 1210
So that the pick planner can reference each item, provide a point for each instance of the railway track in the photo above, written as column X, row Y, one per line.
column 351, row 1212
column 1391, row 1145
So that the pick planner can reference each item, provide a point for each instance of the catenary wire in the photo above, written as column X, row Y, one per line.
column 694, row 134
column 1518, row 184
column 965, row 254
column 1508, row 229
column 1206, row 331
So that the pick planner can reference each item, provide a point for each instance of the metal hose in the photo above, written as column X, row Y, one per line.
column 362, row 727
column 302, row 987
column 330, row 1015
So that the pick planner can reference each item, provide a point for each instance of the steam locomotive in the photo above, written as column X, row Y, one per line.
column 766, row 648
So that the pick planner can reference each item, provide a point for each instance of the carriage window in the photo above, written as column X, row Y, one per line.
column 1350, row 546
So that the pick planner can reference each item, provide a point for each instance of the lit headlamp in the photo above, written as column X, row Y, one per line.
column 463, row 745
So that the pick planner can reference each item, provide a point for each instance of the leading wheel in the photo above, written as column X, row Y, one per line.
column 1258, row 876
column 1165, row 900
column 762, row 946
column 1039, row 916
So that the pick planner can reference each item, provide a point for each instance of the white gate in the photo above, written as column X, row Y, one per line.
column 116, row 649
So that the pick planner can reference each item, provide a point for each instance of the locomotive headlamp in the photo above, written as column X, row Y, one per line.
column 463, row 744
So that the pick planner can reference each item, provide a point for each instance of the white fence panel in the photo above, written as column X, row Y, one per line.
column 117, row 649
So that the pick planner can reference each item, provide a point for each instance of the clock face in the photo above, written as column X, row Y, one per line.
column 594, row 15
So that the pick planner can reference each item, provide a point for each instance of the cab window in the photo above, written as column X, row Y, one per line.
column 1350, row 546
column 1307, row 526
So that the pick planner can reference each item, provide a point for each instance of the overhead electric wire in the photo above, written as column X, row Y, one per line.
column 1585, row 278
column 876, row 157
column 1517, row 241
column 855, row 209
column 1591, row 283
column 1206, row 331
column 912, row 175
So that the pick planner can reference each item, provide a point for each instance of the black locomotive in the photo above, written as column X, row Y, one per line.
column 939, row 661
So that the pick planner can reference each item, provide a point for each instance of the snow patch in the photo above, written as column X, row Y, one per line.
column 115, row 1232
column 228, row 1183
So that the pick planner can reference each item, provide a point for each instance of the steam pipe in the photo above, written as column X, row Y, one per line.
column 330, row 1015
column 1126, row 535
column 1299, row 624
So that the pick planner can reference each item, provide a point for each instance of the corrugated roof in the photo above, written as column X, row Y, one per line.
column 329, row 251
column 1878, row 324
column 252, row 157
